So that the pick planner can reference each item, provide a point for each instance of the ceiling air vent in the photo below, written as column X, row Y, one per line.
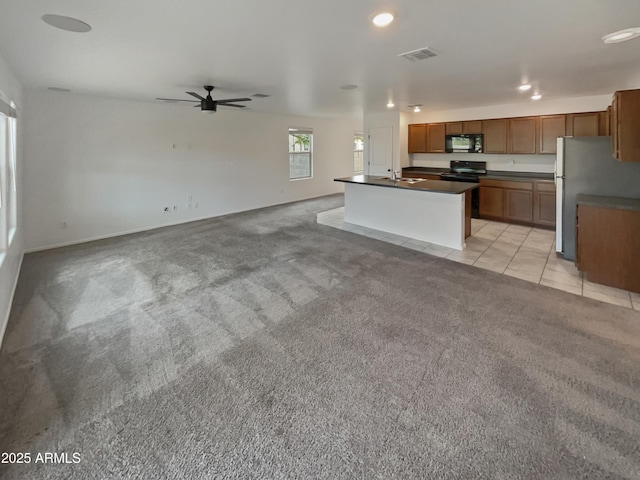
column 420, row 54
column 260, row 95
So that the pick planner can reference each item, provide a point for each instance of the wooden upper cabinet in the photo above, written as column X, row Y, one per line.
column 522, row 135
column 454, row 128
column 551, row 127
column 474, row 126
column 418, row 138
column 625, row 125
column 458, row 128
column 436, row 138
column 495, row 135
column 613, row 128
column 603, row 123
column 583, row 124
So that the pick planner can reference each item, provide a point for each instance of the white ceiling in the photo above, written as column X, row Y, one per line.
column 300, row 51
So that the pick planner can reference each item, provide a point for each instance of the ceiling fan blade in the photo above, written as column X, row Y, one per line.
column 231, row 105
column 194, row 94
column 175, row 100
column 227, row 100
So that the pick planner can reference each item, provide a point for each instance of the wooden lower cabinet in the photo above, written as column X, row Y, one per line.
column 544, row 204
column 491, row 201
column 607, row 245
column 518, row 205
column 530, row 202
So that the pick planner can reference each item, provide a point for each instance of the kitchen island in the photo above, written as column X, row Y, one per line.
column 433, row 211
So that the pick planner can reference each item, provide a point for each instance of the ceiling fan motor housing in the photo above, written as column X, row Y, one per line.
column 208, row 104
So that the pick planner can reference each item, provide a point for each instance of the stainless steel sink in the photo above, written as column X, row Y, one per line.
column 405, row 180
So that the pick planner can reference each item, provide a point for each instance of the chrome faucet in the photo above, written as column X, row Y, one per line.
column 395, row 175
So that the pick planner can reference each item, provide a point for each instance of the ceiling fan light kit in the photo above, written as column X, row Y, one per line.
column 208, row 104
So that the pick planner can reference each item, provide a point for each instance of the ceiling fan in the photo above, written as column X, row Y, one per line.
column 208, row 104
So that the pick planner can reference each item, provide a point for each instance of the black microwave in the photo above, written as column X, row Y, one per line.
column 464, row 143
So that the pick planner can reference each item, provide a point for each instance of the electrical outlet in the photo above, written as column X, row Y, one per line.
column 195, row 205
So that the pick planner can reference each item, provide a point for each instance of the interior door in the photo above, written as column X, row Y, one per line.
column 380, row 151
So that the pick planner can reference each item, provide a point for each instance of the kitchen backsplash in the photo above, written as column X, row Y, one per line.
column 513, row 163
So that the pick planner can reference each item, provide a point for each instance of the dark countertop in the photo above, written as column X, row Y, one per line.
column 618, row 203
column 439, row 186
column 425, row 169
column 491, row 174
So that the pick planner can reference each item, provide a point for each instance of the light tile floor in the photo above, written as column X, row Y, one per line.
column 522, row 252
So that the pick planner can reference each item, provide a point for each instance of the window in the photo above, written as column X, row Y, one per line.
column 11, row 177
column 8, row 194
column 358, row 153
column 300, row 153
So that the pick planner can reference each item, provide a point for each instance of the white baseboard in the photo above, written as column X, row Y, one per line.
column 170, row 224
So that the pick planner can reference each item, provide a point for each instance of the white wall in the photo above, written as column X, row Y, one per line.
column 10, row 264
column 521, row 163
column 99, row 167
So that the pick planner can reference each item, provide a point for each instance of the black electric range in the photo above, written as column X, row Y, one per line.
column 464, row 171
column 467, row 171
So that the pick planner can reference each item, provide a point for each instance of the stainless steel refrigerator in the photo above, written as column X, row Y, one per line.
column 585, row 165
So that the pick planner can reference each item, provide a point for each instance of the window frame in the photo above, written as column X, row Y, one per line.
column 300, row 131
column 357, row 135
column 8, row 173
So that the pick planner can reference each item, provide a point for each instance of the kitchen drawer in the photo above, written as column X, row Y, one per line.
column 506, row 184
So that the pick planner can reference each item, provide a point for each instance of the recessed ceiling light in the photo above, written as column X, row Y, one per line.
column 349, row 87
column 382, row 19
column 537, row 96
column 416, row 109
column 391, row 105
column 58, row 89
column 622, row 35
column 525, row 87
column 66, row 23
